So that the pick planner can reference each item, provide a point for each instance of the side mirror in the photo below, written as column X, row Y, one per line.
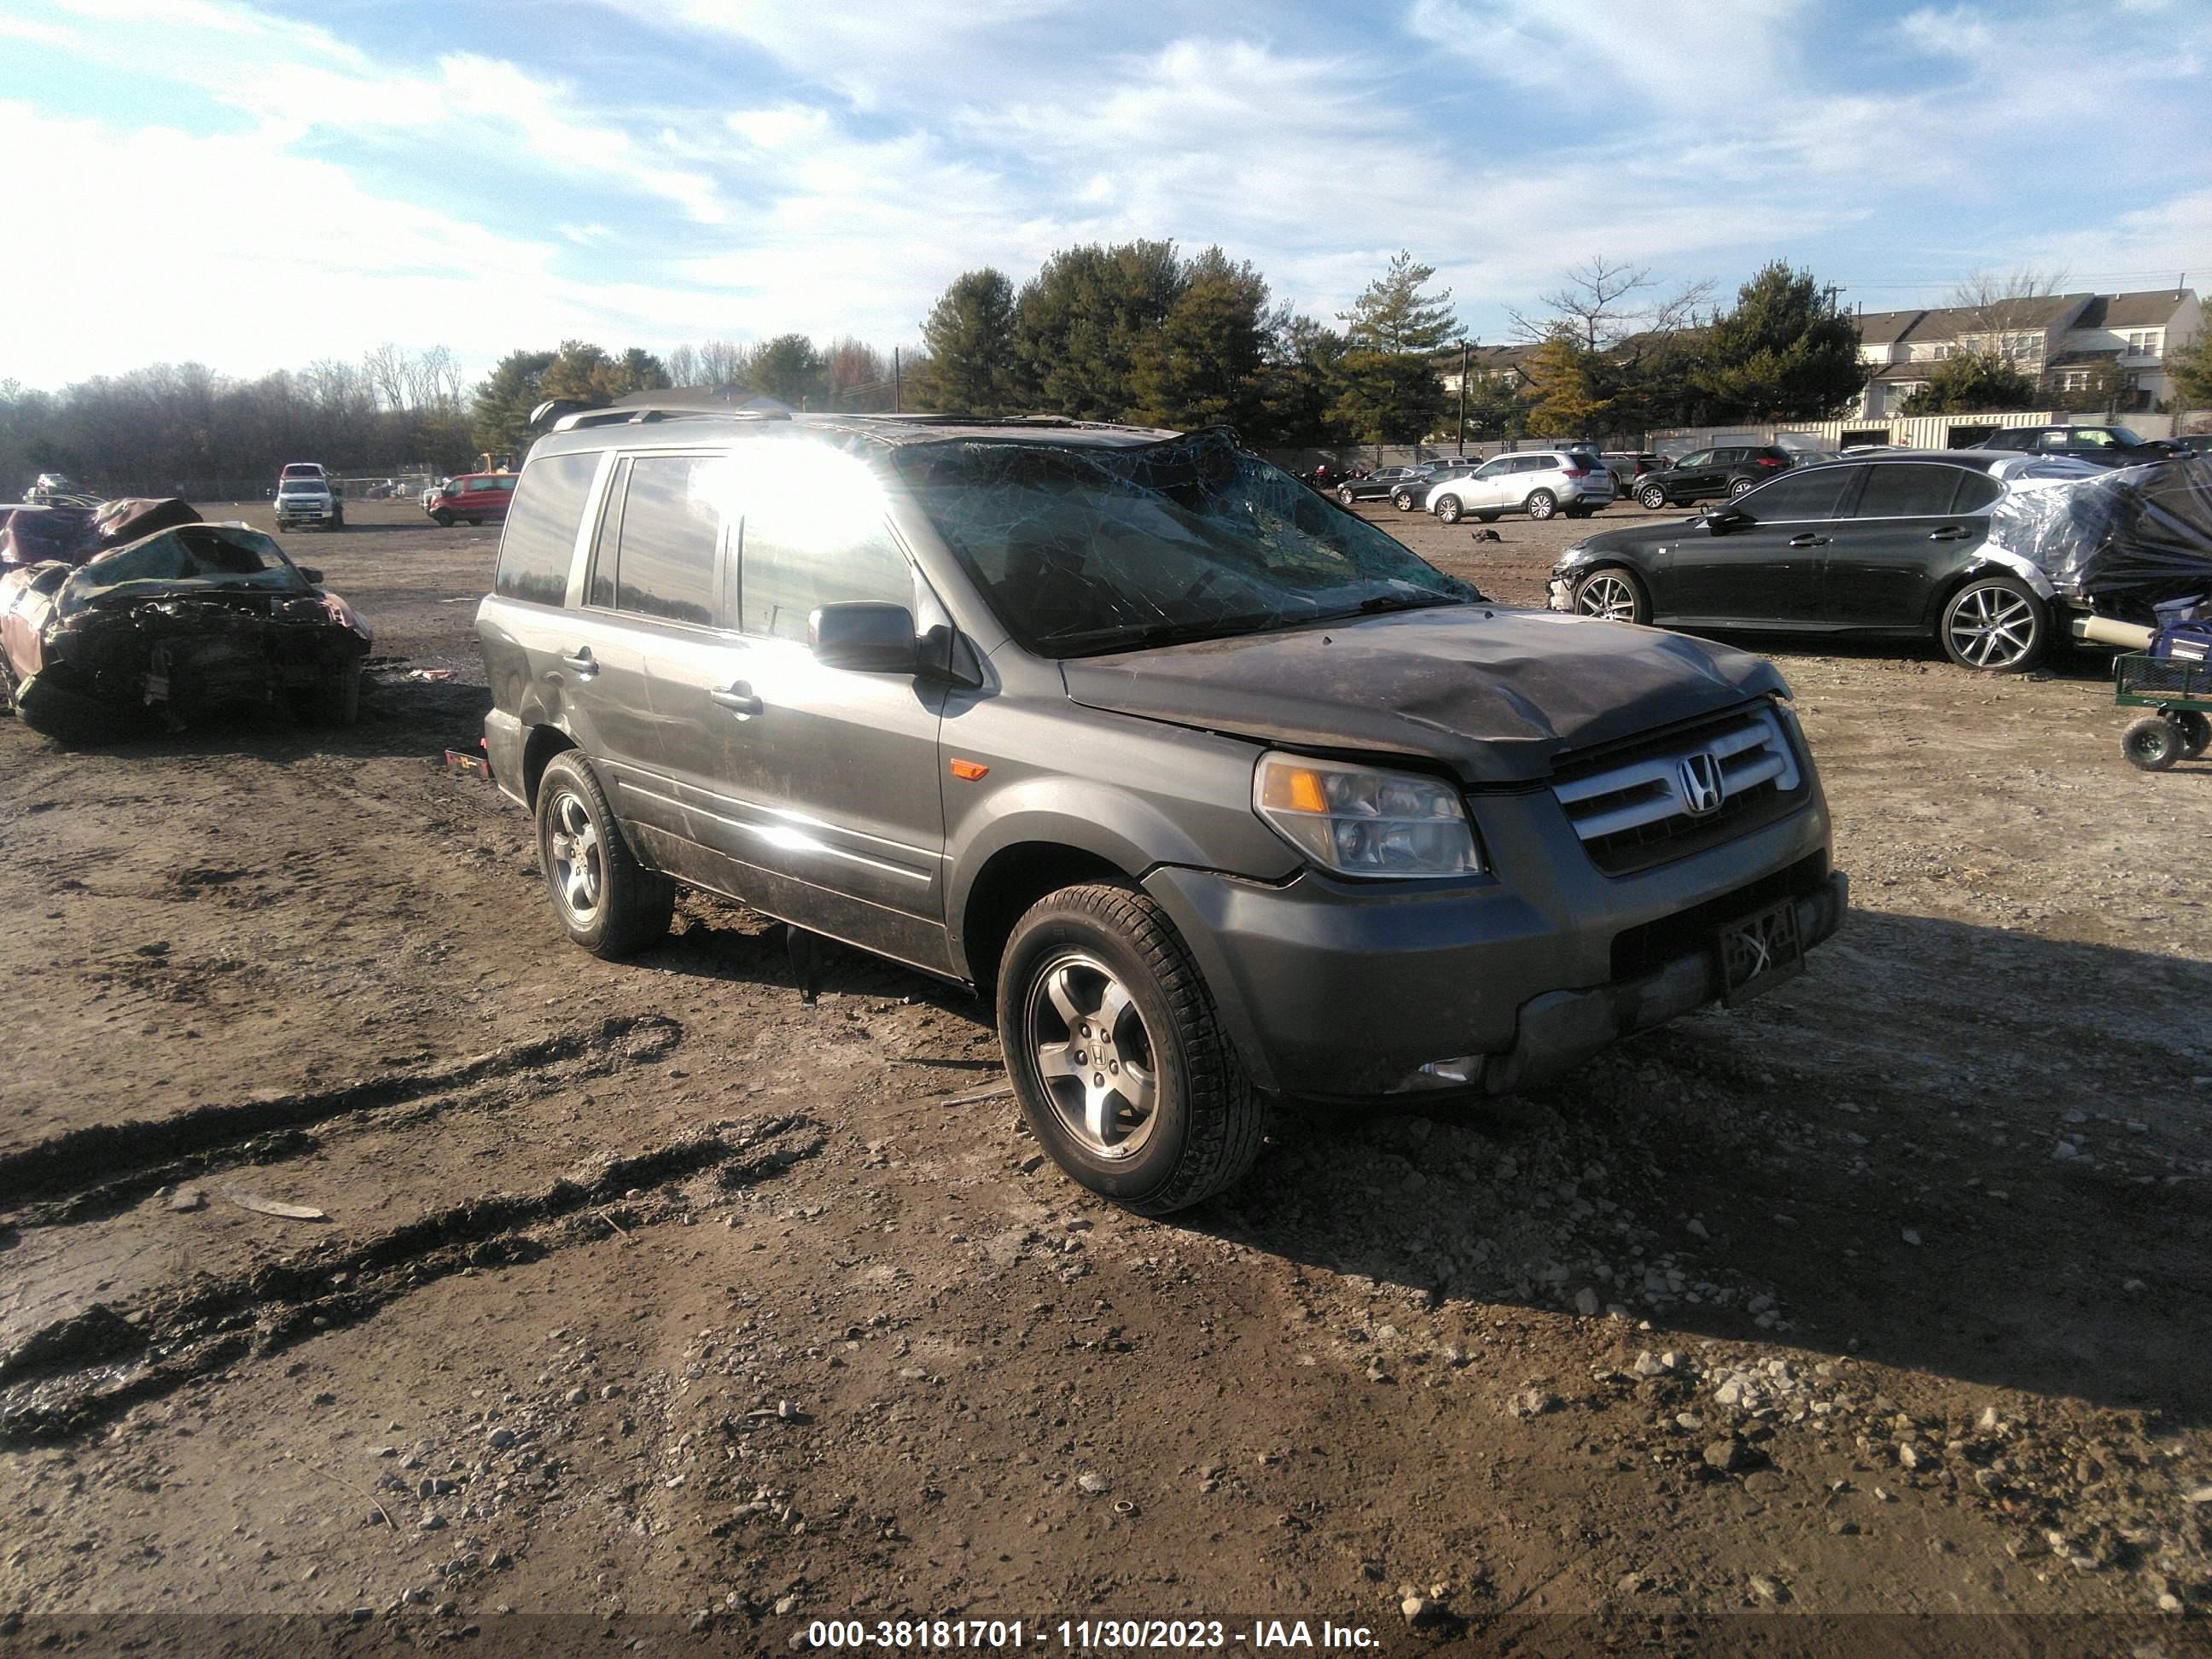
column 314, row 576
column 867, row 637
column 1721, row 519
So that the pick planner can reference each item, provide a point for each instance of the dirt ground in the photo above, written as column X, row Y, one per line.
column 651, row 1298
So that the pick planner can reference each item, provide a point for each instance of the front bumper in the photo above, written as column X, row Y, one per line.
column 1337, row 990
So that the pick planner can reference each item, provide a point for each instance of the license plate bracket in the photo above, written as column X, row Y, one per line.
column 1759, row 951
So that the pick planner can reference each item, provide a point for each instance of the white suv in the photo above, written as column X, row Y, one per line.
column 1537, row 482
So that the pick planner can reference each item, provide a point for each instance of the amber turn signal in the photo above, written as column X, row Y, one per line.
column 968, row 771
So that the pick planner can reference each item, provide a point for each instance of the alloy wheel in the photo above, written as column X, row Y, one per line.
column 1991, row 626
column 579, row 875
column 1093, row 1054
column 1607, row 596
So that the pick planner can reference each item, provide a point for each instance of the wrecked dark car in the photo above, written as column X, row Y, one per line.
column 192, row 618
column 74, row 532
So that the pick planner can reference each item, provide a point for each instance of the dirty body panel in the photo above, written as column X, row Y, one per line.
column 175, row 624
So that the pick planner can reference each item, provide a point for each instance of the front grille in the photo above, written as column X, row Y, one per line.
column 1631, row 808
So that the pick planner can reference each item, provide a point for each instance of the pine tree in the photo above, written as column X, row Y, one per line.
column 969, row 335
column 1395, row 314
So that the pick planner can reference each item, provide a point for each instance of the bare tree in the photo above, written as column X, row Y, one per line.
column 385, row 368
column 2006, row 317
column 684, row 365
column 1598, row 306
column 725, row 362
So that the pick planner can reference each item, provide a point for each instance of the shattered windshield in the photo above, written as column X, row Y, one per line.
column 1083, row 549
column 194, row 555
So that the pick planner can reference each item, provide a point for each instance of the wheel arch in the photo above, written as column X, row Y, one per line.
column 1011, row 879
column 539, row 749
column 1990, row 562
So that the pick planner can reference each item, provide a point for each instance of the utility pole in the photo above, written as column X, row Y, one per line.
column 1462, row 398
column 895, row 380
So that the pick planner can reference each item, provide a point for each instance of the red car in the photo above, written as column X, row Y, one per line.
column 472, row 498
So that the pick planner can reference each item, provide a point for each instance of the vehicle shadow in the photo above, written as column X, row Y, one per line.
column 399, row 718
column 1876, row 1146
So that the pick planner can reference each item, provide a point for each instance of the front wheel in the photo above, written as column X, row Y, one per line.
column 1996, row 625
column 1448, row 509
column 1117, row 1057
column 608, row 902
column 2153, row 744
column 2196, row 733
column 1542, row 504
column 442, row 519
column 1613, row 594
column 1653, row 497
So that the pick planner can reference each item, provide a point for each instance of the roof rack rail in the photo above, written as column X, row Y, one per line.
column 644, row 415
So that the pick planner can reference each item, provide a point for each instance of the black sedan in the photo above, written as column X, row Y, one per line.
column 1893, row 544
column 2105, row 446
column 1726, row 470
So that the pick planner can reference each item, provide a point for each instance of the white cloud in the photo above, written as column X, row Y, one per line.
column 213, row 275
column 1959, row 32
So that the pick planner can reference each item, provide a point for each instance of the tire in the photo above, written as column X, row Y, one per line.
column 2196, row 733
column 1344, row 496
column 338, row 523
column 1448, row 509
column 1652, row 497
column 2153, row 744
column 605, row 899
column 1403, row 501
column 1194, row 1123
column 442, row 519
column 1541, row 504
column 335, row 701
column 1738, row 486
column 1995, row 625
column 1614, row 593
column 1486, row 518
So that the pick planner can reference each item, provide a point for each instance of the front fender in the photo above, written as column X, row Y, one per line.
column 1113, row 822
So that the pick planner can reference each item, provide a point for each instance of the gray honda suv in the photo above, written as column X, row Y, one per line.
column 1220, row 792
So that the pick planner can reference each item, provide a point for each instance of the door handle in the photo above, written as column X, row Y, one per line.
column 583, row 663
column 739, row 701
column 1949, row 532
column 1808, row 540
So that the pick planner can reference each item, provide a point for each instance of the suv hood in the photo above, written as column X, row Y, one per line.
column 1497, row 693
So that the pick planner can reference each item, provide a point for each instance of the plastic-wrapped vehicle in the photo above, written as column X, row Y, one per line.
column 175, row 623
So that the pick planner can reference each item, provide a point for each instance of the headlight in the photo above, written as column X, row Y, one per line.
column 1357, row 820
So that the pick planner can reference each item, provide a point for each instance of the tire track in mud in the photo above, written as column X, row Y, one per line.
column 71, row 1378
column 85, row 1173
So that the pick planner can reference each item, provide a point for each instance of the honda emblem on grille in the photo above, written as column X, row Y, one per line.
column 1704, row 788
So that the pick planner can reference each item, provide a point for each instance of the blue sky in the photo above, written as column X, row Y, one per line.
column 268, row 183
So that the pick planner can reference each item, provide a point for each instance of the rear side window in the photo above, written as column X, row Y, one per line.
column 1795, row 496
column 540, row 539
column 671, row 532
column 1911, row 492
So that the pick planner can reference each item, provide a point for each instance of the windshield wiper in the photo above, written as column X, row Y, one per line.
column 1138, row 636
column 1383, row 602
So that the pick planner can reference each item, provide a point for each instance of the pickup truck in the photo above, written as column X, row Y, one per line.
column 315, row 501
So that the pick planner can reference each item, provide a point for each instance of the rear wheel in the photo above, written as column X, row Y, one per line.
column 2153, row 744
column 2196, row 733
column 1995, row 625
column 1614, row 594
column 1541, row 504
column 609, row 902
column 1344, row 496
column 1737, row 486
column 1652, row 497
column 1448, row 509
column 1117, row 1057
column 1403, row 501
